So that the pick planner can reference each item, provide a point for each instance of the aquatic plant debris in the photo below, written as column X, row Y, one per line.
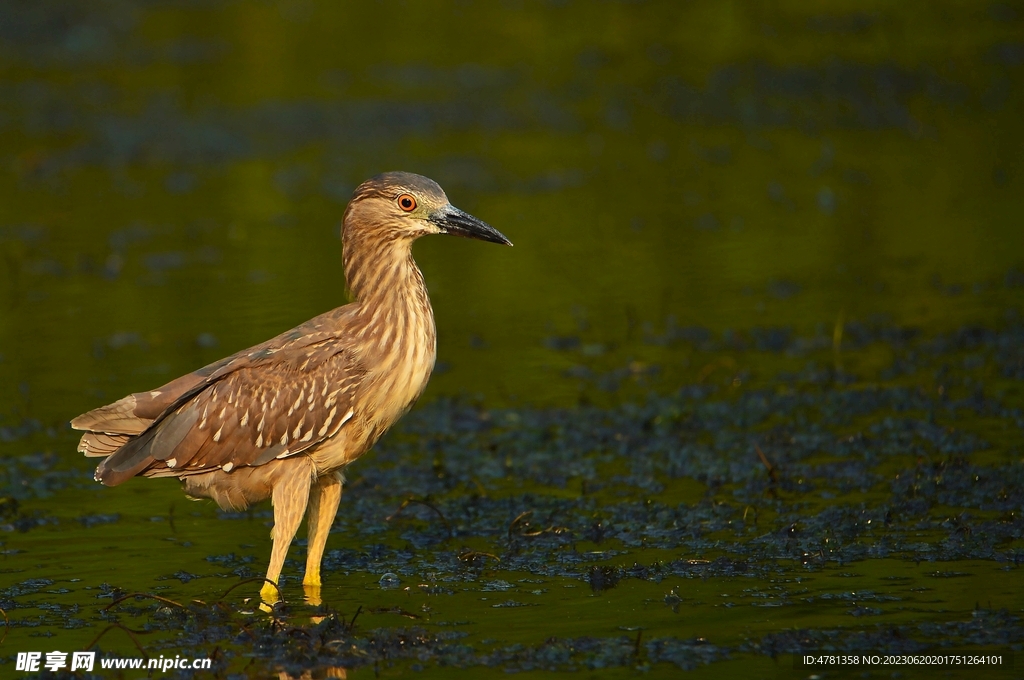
column 818, row 472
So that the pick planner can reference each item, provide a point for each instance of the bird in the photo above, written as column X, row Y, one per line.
column 283, row 419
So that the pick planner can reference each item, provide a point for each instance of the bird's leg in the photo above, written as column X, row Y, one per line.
column 323, row 506
column 291, row 494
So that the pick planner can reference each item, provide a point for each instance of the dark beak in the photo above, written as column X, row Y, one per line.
column 451, row 220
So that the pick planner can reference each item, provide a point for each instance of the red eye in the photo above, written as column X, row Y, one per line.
column 406, row 202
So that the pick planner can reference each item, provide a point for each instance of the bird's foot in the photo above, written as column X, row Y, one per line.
column 311, row 587
column 270, row 593
column 312, row 578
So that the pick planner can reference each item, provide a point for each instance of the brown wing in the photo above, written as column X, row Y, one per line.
column 255, row 416
column 270, row 401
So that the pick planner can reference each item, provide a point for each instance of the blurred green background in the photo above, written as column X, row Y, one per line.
column 177, row 171
column 173, row 174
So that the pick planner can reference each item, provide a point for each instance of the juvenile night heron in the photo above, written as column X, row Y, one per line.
column 281, row 420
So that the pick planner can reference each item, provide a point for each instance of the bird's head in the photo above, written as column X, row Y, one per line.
column 404, row 206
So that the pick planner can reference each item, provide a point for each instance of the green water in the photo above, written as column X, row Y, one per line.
column 172, row 177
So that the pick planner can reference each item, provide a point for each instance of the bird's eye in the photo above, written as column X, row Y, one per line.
column 406, row 202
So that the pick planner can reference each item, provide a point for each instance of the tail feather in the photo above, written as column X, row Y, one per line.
column 136, row 412
column 157, row 443
column 100, row 444
column 116, row 418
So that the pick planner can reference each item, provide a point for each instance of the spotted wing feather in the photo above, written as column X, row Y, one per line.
column 251, row 418
column 233, row 412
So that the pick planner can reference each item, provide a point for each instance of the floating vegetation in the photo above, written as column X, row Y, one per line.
column 471, row 510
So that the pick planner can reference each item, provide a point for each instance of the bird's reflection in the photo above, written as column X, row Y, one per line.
column 328, row 672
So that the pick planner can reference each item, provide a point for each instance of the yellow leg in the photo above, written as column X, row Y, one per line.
column 323, row 506
column 291, row 494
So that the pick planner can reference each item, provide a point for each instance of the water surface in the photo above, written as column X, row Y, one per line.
column 775, row 227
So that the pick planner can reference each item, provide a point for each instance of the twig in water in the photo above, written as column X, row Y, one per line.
column 837, row 341
column 352, row 623
column 255, row 579
column 395, row 610
column 522, row 520
column 519, row 518
column 131, row 634
column 771, row 468
column 409, row 501
column 705, row 373
column 149, row 595
column 474, row 555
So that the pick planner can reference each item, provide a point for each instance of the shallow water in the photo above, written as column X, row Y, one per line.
column 747, row 387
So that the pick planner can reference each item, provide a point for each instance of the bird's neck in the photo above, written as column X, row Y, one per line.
column 395, row 326
column 397, row 320
column 383, row 275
